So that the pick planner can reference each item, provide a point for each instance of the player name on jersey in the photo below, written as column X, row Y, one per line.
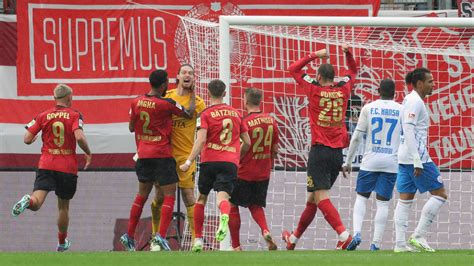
column 57, row 115
column 219, row 113
column 146, row 104
column 385, row 112
column 260, row 120
column 332, row 94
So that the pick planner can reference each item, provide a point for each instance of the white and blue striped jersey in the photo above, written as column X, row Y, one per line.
column 380, row 121
column 415, row 114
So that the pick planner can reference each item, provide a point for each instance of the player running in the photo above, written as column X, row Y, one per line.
column 61, row 128
column 379, row 121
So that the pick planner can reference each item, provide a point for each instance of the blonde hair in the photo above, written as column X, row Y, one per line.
column 61, row 91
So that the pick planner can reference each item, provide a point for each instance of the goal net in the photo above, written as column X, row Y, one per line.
column 256, row 51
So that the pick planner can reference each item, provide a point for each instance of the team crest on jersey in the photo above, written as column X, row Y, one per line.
column 31, row 123
column 308, row 79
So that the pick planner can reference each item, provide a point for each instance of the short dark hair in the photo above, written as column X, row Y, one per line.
column 326, row 71
column 387, row 88
column 254, row 96
column 216, row 87
column 158, row 78
column 419, row 74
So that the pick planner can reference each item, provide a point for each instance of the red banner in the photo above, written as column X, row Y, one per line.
column 110, row 47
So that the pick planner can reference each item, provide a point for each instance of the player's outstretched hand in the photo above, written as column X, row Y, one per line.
column 88, row 160
column 346, row 171
column 345, row 47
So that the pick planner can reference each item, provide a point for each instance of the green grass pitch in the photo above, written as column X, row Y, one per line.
column 300, row 258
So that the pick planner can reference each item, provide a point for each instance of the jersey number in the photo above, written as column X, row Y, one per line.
column 58, row 132
column 257, row 134
column 328, row 104
column 144, row 116
column 226, row 133
column 377, row 124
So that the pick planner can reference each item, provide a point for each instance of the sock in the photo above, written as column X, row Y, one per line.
column 166, row 215
column 234, row 226
column 293, row 239
column 155, row 216
column 259, row 216
column 428, row 214
column 343, row 236
column 62, row 238
column 31, row 203
column 224, row 207
column 306, row 218
column 135, row 213
column 190, row 214
column 360, row 206
column 198, row 219
column 380, row 221
column 331, row 215
column 400, row 218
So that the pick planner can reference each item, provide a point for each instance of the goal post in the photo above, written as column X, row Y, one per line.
column 256, row 51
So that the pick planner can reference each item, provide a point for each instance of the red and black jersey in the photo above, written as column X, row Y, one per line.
column 224, row 126
column 59, row 143
column 152, row 116
column 257, row 163
column 327, row 105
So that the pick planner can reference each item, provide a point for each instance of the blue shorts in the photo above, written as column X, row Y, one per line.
column 429, row 180
column 380, row 182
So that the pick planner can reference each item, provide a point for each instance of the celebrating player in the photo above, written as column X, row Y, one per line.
column 416, row 169
column 150, row 119
column 380, row 122
column 251, row 187
column 61, row 128
column 182, row 139
column 219, row 128
column 327, row 108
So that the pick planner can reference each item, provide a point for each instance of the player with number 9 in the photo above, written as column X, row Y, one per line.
column 61, row 128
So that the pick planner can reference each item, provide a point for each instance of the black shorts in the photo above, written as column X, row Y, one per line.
column 157, row 170
column 64, row 184
column 324, row 164
column 247, row 193
column 219, row 176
